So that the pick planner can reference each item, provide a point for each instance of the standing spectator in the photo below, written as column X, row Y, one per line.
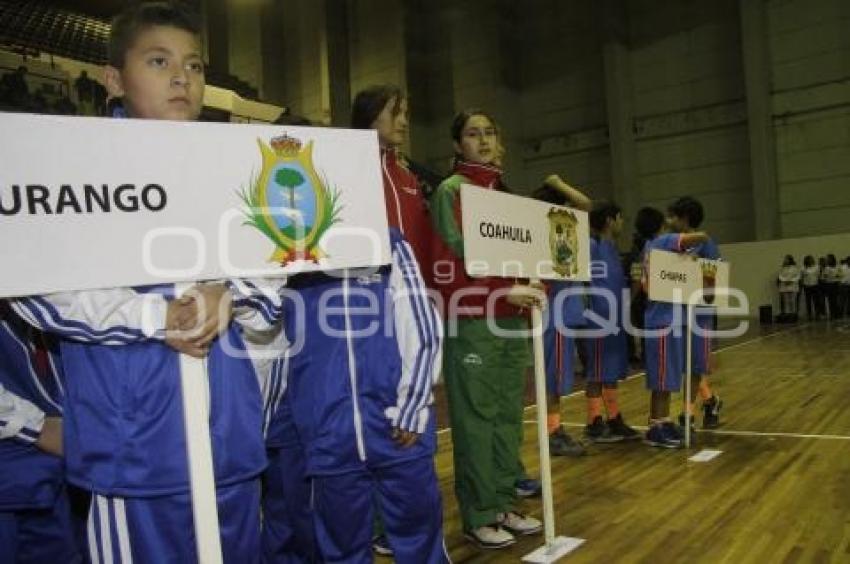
column 830, row 277
column 789, row 285
column 810, row 275
column 14, row 88
column 822, row 289
column 85, row 93
column 844, row 288
column 100, row 96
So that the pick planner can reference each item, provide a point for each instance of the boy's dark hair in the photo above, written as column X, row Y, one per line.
column 648, row 223
column 142, row 15
column 830, row 260
column 369, row 103
column 809, row 260
column 603, row 211
column 462, row 117
column 689, row 209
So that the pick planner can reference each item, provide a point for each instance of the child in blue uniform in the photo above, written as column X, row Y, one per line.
column 287, row 533
column 564, row 314
column 685, row 216
column 364, row 356
column 125, row 438
column 607, row 355
column 36, row 524
column 665, row 345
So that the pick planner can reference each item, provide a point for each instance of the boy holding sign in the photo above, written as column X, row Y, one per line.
column 565, row 313
column 125, row 437
column 665, row 345
column 484, row 372
column 686, row 215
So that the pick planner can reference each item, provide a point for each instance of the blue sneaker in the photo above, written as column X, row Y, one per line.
column 528, row 487
column 665, row 435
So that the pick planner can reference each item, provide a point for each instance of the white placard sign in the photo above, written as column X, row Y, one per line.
column 675, row 277
column 92, row 203
column 513, row 236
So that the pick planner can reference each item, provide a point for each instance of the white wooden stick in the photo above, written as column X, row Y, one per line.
column 542, row 430
column 196, row 413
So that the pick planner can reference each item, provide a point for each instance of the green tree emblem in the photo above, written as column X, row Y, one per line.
column 289, row 179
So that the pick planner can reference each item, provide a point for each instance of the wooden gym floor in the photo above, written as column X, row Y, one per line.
column 779, row 492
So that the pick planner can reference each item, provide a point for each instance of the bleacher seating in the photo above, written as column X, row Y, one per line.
column 32, row 26
column 43, row 27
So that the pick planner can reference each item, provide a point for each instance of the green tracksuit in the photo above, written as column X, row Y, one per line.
column 485, row 382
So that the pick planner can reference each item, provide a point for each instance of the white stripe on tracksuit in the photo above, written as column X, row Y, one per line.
column 19, row 418
column 119, row 316
column 276, row 387
column 419, row 337
column 107, row 523
column 112, row 317
column 27, row 351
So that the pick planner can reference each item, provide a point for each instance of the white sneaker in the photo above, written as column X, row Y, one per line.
column 490, row 536
column 520, row 524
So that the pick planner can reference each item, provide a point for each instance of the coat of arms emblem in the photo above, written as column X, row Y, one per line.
column 563, row 241
column 289, row 202
column 709, row 279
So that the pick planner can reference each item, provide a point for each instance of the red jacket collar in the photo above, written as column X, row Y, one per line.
column 487, row 176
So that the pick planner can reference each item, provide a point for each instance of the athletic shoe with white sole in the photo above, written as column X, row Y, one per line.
column 520, row 524
column 490, row 537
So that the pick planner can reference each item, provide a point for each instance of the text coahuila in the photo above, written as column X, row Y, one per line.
column 506, row 232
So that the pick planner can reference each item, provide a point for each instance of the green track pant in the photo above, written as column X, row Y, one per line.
column 485, row 381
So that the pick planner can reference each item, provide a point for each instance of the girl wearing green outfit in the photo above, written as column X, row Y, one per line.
column 484, row 373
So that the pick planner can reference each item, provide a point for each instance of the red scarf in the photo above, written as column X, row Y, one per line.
column 484, row 175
